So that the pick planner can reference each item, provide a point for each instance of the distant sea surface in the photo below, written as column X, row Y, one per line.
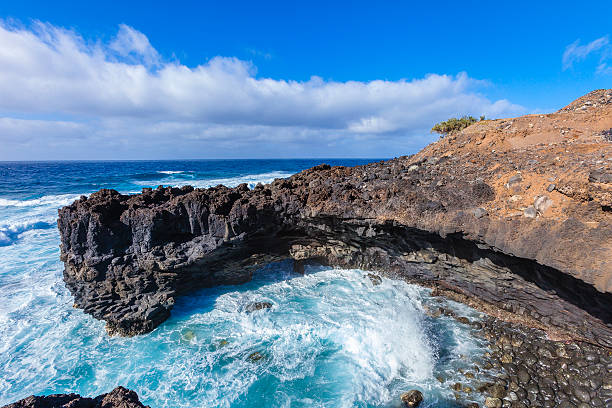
column 332, row 339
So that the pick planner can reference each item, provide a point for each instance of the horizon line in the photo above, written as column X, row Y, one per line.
column 203, row 159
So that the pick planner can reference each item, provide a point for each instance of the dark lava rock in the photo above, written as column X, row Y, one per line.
column 463, row 320
column 255, row 356
column 412, row 398
column 375, row 279
column 582, row 393
column 118, row 398
column 523, row 376
column 496, row 391
column 251, row 307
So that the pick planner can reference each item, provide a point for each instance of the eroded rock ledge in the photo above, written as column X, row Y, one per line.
column 515, row 213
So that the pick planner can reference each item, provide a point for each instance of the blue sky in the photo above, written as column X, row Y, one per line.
column 154, row 80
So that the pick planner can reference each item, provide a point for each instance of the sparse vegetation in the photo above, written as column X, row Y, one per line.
column 454, row 125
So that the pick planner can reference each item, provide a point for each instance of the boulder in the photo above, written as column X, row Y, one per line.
column 412, row 398
column 251, row 307
column 493, row 402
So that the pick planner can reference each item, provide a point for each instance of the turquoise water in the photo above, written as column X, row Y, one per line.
column 331, row 338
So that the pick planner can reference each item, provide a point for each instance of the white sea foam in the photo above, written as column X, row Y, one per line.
column 22, row 216
column 250, row 179
column 10, row 232
column 48, row 200
column 361, row 344
column 171, row 171
column 330, row 339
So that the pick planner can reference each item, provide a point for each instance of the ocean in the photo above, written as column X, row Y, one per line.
column 331, row 338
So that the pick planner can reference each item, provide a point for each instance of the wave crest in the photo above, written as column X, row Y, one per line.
column 9, row 233
column 250, row 179
column 56, row 200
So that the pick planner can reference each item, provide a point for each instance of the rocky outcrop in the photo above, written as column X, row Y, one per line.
column 515, row 213
column 412, row 398
column 118, row 398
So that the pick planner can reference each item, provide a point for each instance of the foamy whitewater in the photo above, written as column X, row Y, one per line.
column 331, row 338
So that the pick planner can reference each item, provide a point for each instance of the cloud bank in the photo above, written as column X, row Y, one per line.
column 64, row 97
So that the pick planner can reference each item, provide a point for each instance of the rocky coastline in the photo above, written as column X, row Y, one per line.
column 512, row 216
column 525, row 368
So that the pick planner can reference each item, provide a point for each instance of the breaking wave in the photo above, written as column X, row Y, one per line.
column 250, row 179
column 49, row 200
column 331, row 338
column 10, row 233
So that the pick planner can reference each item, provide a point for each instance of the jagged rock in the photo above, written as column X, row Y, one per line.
column 256, row 356
column 127, row 257
column 412, row 398
column 375, row 279
column 463, row 319
column 118, row 398
column 298, row 266
column 251, row 307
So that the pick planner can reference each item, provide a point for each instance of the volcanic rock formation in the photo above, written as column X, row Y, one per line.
column 118, row 398
column 513, row 213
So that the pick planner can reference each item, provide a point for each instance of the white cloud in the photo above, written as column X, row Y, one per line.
column 135, row 46
column 130, row 103
column 576, row 52
column 604, row 69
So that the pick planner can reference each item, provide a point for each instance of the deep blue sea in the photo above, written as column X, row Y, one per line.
column 332, row 339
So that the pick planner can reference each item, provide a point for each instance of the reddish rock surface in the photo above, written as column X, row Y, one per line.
column 513, row 213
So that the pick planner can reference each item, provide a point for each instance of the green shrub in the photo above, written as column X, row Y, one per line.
column 454, row 125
